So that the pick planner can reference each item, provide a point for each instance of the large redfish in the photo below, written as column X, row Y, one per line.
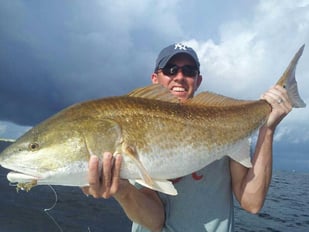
column 158, row 137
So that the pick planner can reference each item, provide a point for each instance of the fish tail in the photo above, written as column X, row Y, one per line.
column 288, row 81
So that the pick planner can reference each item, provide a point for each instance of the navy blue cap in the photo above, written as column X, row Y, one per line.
column 167, row 53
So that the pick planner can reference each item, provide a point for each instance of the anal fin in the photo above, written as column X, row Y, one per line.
column 163, row 186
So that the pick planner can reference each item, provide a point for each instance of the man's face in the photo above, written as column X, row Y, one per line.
column 180, row 85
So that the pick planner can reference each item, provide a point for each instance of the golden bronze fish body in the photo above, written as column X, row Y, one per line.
column 159, row 137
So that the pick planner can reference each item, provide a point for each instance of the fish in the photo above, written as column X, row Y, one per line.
column 159, row 137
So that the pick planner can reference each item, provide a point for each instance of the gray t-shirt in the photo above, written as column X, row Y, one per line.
column 204, row 201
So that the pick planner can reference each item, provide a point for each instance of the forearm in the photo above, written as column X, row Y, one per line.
column 250, row 186
column 142, row 206
column 258, row 178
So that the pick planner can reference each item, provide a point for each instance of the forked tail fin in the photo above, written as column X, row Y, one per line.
column 288, row 81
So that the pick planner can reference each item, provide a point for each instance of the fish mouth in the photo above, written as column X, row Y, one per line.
column 19, row 174
column 24, row 181
column 18, row 177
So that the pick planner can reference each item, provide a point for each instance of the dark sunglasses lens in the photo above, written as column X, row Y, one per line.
column 170, row 70
column 189, row 70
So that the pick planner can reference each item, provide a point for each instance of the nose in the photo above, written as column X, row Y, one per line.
column 179, row 76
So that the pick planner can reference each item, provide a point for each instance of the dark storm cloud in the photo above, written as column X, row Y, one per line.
column 55, row 53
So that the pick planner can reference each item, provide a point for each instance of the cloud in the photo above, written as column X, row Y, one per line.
column 9, row 130
column 253, row 53
column 57, row 53
column 2, row 129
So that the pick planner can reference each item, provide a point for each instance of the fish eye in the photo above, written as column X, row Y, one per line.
column 33, row 146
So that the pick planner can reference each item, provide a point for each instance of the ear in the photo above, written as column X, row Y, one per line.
column 154, row 78
column 198, row 81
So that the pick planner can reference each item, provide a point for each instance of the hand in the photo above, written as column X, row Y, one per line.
column 105, row 183
column 277, row 97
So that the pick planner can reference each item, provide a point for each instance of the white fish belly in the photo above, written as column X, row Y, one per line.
column 169, row 164
column 181, row 161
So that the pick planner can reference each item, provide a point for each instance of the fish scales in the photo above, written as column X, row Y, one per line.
column 138, row 117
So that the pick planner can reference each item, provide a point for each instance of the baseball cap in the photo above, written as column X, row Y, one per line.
column 167, row 53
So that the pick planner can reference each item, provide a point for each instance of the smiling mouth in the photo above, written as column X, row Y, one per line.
column 178, row 89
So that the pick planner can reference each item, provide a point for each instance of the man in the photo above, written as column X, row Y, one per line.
column 204, row 201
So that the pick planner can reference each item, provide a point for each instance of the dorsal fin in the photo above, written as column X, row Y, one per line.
column 154, row 91
column 158, row 92
column 213, row 99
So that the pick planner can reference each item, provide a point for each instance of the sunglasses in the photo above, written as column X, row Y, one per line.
column 172, row 70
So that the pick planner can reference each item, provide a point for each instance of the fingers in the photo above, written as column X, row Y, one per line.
column 93, row 175
column 277, row 95
column 116, row 174
column 278, row 98
column 272, row 95
column 103, row 178
column 107, row 170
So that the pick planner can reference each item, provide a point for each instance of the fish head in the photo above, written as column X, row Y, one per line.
column 46, row 154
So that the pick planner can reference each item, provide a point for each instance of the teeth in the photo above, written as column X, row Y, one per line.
column 178, row 89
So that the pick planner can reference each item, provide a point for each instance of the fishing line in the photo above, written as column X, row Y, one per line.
column 48, row 209
column 12, row 184
column 53, row 206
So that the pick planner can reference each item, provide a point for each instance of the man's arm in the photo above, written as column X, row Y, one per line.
column 250, row 186
column 142, row 206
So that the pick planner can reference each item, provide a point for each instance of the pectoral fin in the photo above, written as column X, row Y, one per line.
column 132, row 154
column 102, row 135
column 146, row 180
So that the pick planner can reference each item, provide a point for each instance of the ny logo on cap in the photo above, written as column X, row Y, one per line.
column 180, row 46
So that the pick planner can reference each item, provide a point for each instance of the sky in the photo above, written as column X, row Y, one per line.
column 56, row 53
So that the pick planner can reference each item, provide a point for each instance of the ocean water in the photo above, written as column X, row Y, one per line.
column 28, row 211
column 286, row 209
